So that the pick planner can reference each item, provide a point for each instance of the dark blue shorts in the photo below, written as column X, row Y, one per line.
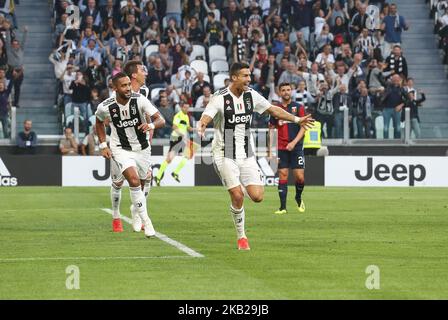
column 294, row 159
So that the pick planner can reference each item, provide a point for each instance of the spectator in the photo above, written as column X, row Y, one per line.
column 90, row 144
column 320, row 20
column 365, row 44
column 375, row 81
column 213, row 31
column 109, row 30
column 167, row 111
column 194, row 32
column 410, row 87
column 15, row 52
column 290, row 75
column 95, row 100
column 4, row 107
column 232, row 13
column 287, row 53
column 27, row 139
column 68, row 76
column 81, row 98
column 198, row 10
column 393, row 25
column 206, row 94
column 59, row 59
column 174, row 11
column 413, row 104
column 149, row 15
column 68, row 145
column 279, row 43
column 270, row 75
column 314, row 79
column 156, row 73
column 211, row 7
column 359, row 21
column 302, row 96
column 362, row 114
column 341, row 101
column 325, row 57
column 130, row 29
column 397, row 63
column 198, row 87
column 302, row 15
column 92, row 51
column 393, row 101
column 240, row 45
column 324, row 38
column 324, row 109
column 109, row 11
column 339, row 31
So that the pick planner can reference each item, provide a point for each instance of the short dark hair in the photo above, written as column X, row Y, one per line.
column 211, row 14
column 118, row 76
column 131, row 67
column 236, row 67
column 283, row 84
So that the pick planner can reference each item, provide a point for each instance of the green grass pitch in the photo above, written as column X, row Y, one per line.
column 322, row 254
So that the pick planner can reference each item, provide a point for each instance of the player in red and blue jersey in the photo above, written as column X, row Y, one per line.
column 290, row 149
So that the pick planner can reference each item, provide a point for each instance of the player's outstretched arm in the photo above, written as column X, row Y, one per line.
column 101, row 131
column 202, row 124
column 277, row 112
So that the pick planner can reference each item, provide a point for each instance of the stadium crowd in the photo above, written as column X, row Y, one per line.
column 11, row 63
column 338, row 54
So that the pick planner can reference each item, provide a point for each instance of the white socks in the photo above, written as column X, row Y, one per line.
column 238, row 216
column 115, row 197
column 139, row 201
column 147, row 188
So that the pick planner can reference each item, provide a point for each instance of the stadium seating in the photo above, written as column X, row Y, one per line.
column 219, row 66
column 150, row 49
column 199, row 66
column 216, row 52
column 218, row 80
column 198, row 52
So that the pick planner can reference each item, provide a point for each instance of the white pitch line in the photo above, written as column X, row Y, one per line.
column 87, row 258
column 165, row 238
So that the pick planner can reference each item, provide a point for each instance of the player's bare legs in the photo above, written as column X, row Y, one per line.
column 282, row 189
column 170, row 156
column 255, row 192
column 299, row 176
column 238, row 216
column 115, row 197
column 138, row 199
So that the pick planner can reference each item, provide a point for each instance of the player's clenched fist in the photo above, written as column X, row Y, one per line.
column 145, row 127
column 105, row 151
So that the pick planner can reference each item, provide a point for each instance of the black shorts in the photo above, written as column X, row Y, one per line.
column 178, row 144
column 294, row 159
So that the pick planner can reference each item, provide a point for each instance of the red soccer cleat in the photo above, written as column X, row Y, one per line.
column 243, row 244
column 117, row 226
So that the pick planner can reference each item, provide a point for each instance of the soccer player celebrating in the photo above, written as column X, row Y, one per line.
column 179, row 140
column 127, row 113
column 136, row 71
column 231, row 111
column 290, row 149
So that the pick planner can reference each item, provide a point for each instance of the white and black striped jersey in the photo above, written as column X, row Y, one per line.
column 232, row 118
column 144, row 90
column 125, row 120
